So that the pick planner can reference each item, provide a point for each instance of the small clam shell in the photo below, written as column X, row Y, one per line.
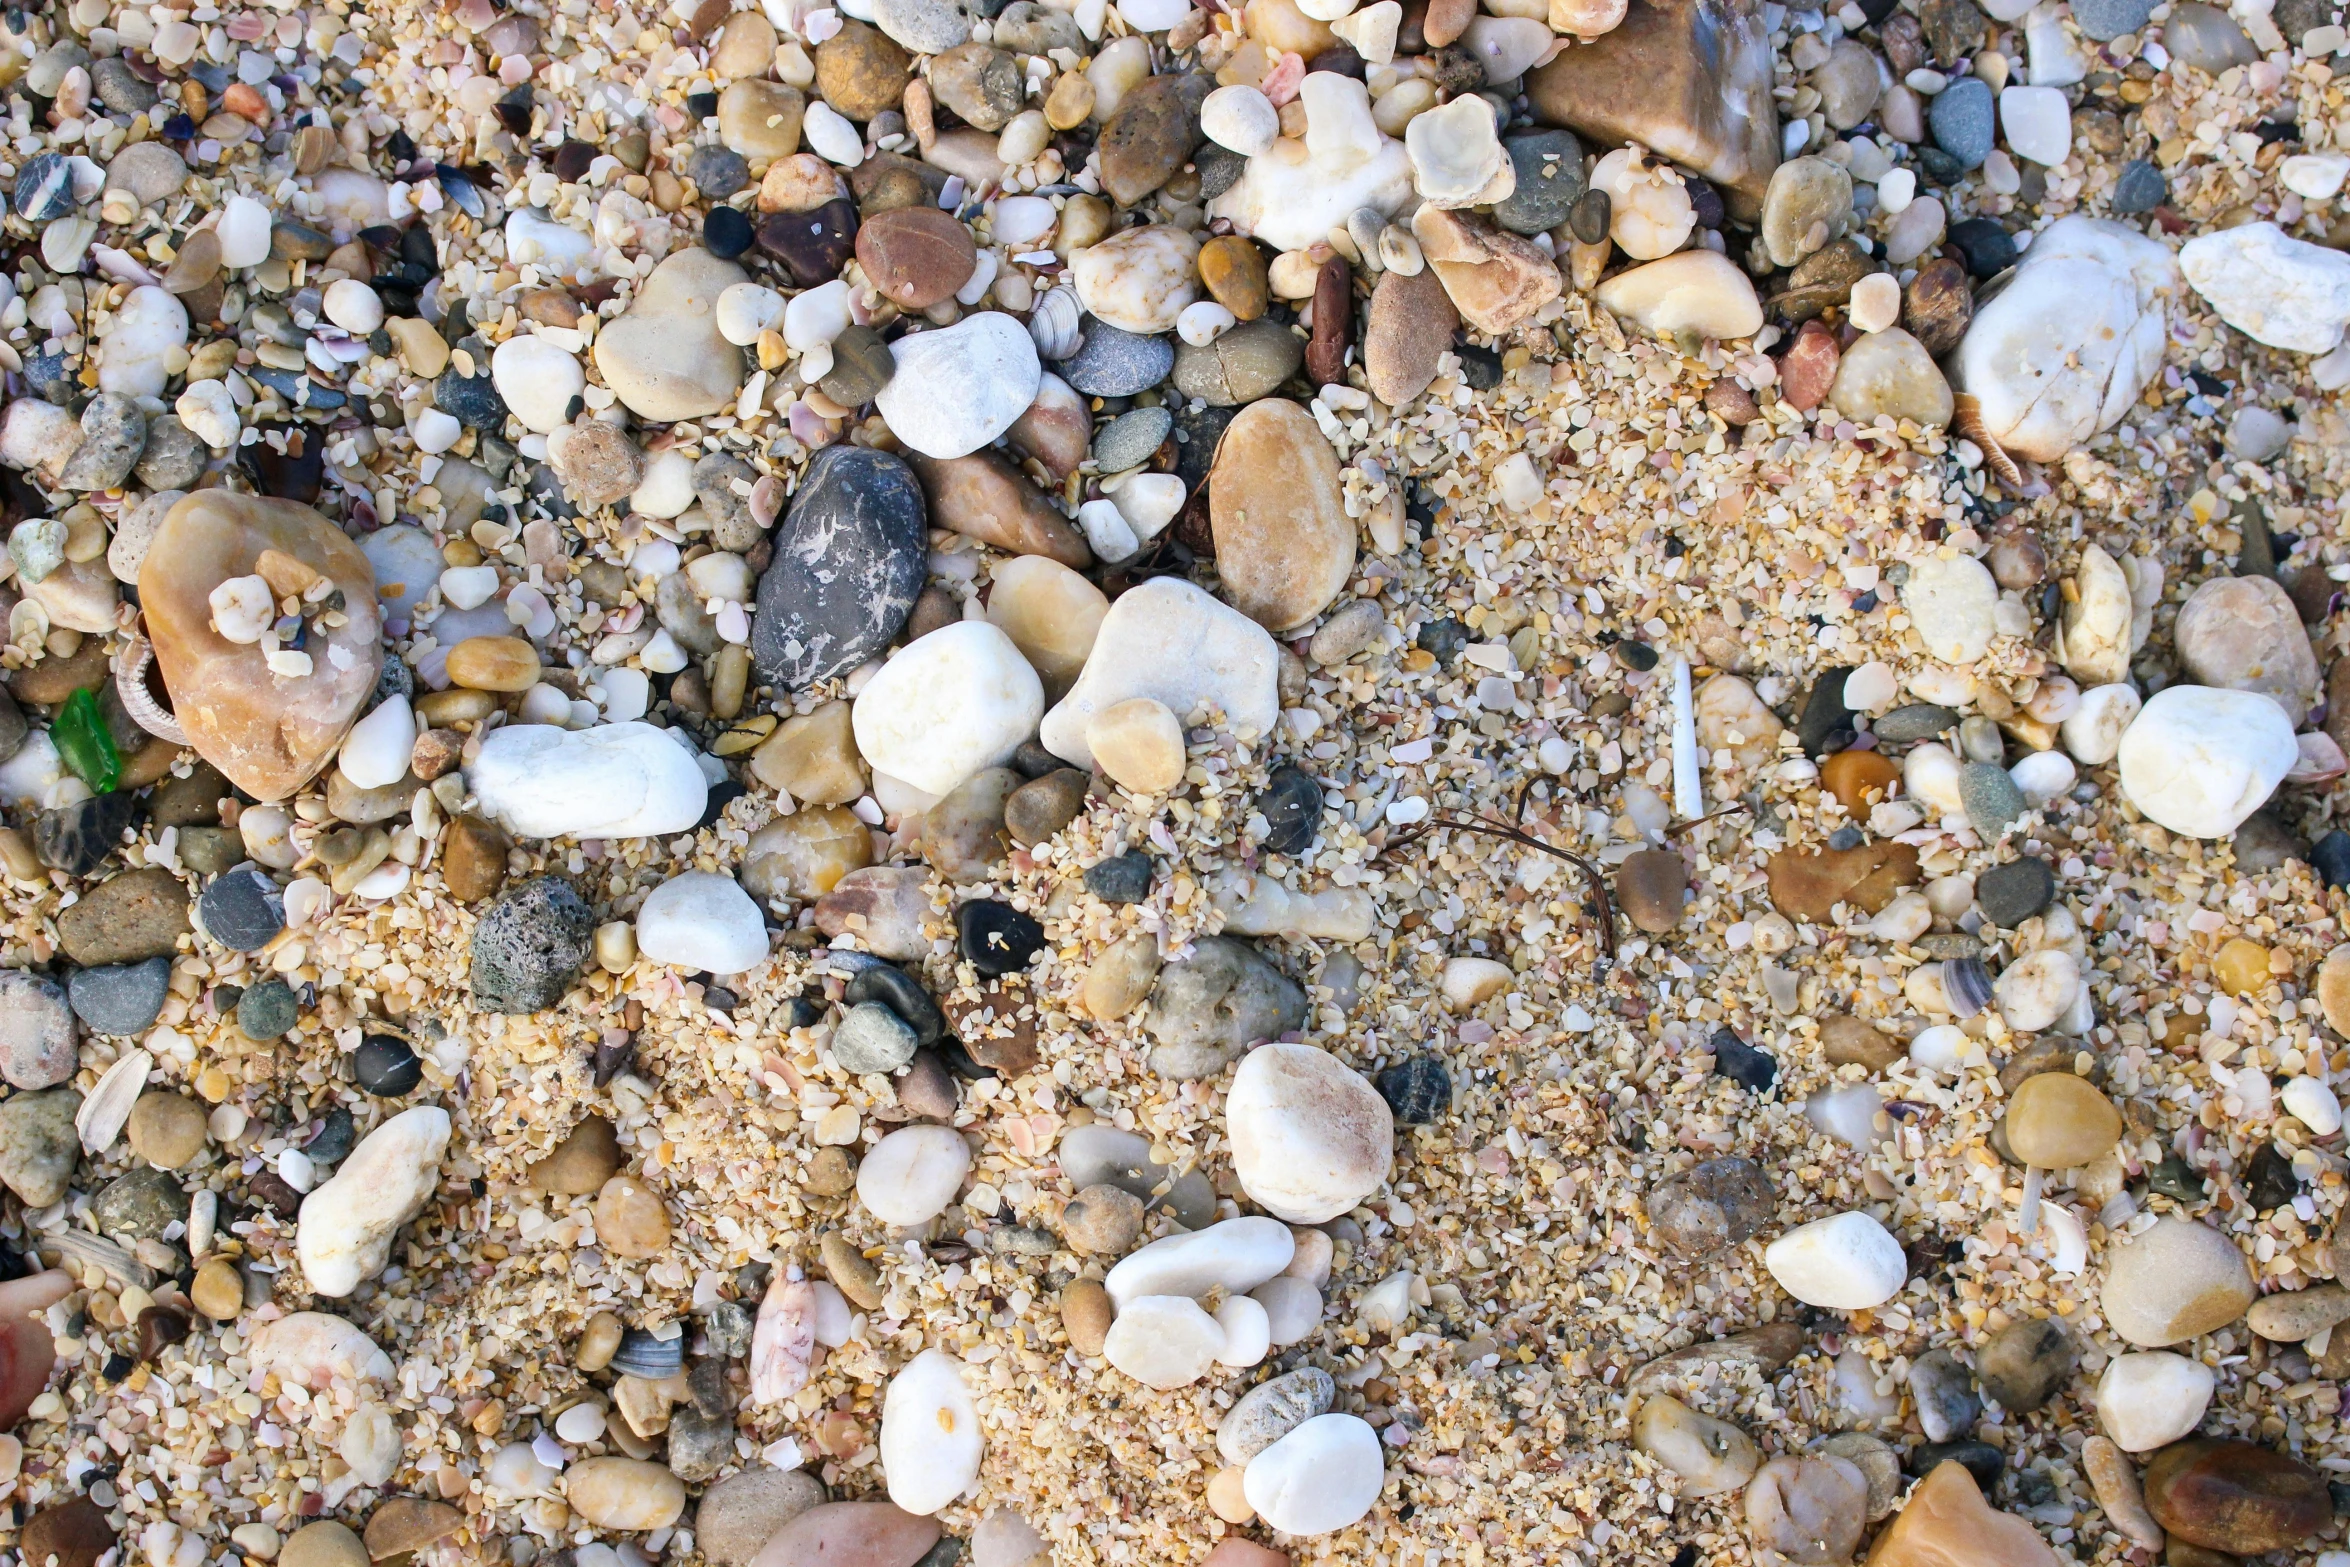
column 642, row 1355
column 102, row 1116
column 1968, row 985
column 1054, row 324
column 84, row 1250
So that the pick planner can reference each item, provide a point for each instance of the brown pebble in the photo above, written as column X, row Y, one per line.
column 1734, row 404
column 1858, row 779
column 631, row 1220
column 582, row 1162
column 405, row 1525
column 1938, row 305
column 160, row 1327
column 861, row 72
column 1234, row 270
column 473, row 859
column 831, row 1173
column 1808, row 368
column 1808, row 885
column 916, row 256
column 435, row 752
column 1102, row 1221
column 850, row 1273
column 1852, row 1041
column 2226, row 1495
column 926, row 1089
column 74, row 1533
column 1334, row 323
column 1086, row 1315
column 219, row 1290
column 1652, row 888
column 599, row 1341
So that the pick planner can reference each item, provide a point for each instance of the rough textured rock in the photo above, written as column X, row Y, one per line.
column 1412, row 324
column 1215, row 1003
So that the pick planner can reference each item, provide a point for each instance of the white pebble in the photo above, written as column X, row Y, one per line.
column 2038, row 124
column 1015, row 221
column 353, row 306
column 931, row 1443
column 1896, row 191
column 1942, row 1048
column 832, row 135
column 1148, row 502
column 1293, row 1308
column 1872, row 687
column 375, row 752
column 744, row 310
column 468, row 587
column 243, row 232
column 2314, row 176
column 1876, row 302
column 1248, row 1331
column 1848, row 1262
column 1153, row 16
column 2043, row 776
column 667, row 488
column 1203, row 322
column 1240, row 118
column 537, row 380
column 2309, row 1101
column 912, row 1174
column 435, row 431
column 1322, row 1476
column 209, row 409
column 242, row 609
column 1163, row 1341
column 580, row 1423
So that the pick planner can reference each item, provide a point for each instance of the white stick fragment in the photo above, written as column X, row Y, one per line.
column 1688, row 788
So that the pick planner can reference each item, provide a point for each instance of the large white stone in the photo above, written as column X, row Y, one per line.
column 2271, row 287
column 1140, row 279
column 537, row 380
column 1311, row 1137
column 1296, row 193
column 958, row 389
column 931, row 1443
column 955, row 701
column 1322, row 1476
column 2066, row 347
column 618, row 781
column 702, row 920
column 2150, row 1400
column 1164, row 1341
column 134, row 352
column 1848, row 1262
column 1953, row 604
column 1171, row 640
column 2198, row 760
column 1236, row 1256
column 912, row 1174
column 346, row 1227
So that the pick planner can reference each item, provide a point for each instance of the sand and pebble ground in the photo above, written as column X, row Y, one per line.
column 1349, row 783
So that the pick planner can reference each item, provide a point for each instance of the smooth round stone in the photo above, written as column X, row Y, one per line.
column 2175, row 1281
column 1710, row 1456
column 1271, row 1410
column 386, row 1067
column 537, row 381
column 1323, row 1476
column 166, row 1129
column 931, row 1442
column 1111, row 362
column 1962, row 121
column 665, row 359
column 1234, row 1255
column 347, row 1225
column 1847, row 1262
column 2139, row 187
column 1293, row 1309
column 2057, row 1121
column 1944, row 1393
column 1890, row 373
column 268, row 1010
column 916, row 256
column 1549, row 170
column 871, row 1038
column 1284, row 544
column 2028, row 1362
column 2146, row 1401
column 1952, row 603
column 1703, row 1211
column 2011, row 894
column 1808, row 203
column 1311, row 1138
column 1812, row 1507
column 1169, row 639
column 1051, row 614
column 624, row 1493
column 996, row 938
column 1990, row 798
column 2236, row 1497
column 1139, row 743
column 243, row 911
column 1240, row 366
column 1140, row 279
column 1124, row 878
column 2105, row 20
column 1131, row 439
column 1693, row 291
column 954, row 702
column 1244, row 119
column 1102, row 1220
column 626, row 780
column 702, row 921
column 957, row 389
column 911, row 1175
column 1849, row 82
column 1163, row 1341
column 139, row 341
column 2199, row 760
column 2245, row 634
column 2038, row 124
column 324, row 1543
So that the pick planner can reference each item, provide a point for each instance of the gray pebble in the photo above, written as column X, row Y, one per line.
column 1114, row 363
column 1549, row 167
column 872, row 1038
column 114, row 432
column 1129, row 440
column 1993, row 802
column 1917, row 721
column 1962, row 121
column 120, row 998
column 173, row 459
column 243, row 911
column 529, row 946
column 142, row 1205
column 2140, row 187
column 1945, row 1394
column 2108, row 19
column 1212, row 1005
column 2011, row 894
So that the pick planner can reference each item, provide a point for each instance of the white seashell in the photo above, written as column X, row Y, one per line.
column 101, row 1117
column 1053, row 324
column 1202, row 322
column 316, row 1349
column 2065, row 1239
column 1399, row 251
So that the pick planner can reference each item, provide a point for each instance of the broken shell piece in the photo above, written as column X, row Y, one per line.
column 783, row 1342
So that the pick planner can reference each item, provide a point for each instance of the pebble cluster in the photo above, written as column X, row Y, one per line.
column 1378, row 783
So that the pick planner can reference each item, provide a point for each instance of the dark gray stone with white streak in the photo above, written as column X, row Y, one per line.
column 849, row 560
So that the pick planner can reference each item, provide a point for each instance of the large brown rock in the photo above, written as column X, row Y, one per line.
column 1806, row 886
column 916, row 256
column 1690, row 79
column 1946, row 1523
column 1151, row 135
column 127, row 919
column 1284, row 543
column 1412, row 323
column 2235, row 1496
column 71, row 1533
column 1495, row 279
column 850, row 1534
column 268, row 733
column 983, row 497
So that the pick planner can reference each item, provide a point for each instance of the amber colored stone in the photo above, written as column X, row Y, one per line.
column 630, row 1218
column 473, row 859
column 1236, row 275
column 2241, row 967
column 1806, row 885
column 581, row 1163
column 407, row 1524
column 983, row 497
column 1652, row 887
column 1946, row 1523
column 268, row 733
column 2236, row 1496
column 2057, row 1121
column 494, row 664
column 1858, row 779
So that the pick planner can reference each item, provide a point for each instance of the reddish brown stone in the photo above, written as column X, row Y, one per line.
column 916, row 256
column 1806, row 886
column 1334, row 323
column 1808, row 368
column 2236, row 1496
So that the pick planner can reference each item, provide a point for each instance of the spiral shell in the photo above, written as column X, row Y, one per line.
column 1968, row 985
column 136, row 682
column 1054, row 324
column 1966, row 417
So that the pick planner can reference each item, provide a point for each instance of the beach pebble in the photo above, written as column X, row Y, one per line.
column 615, row 781
column 1321, row 1477
column 1311, row 1137
column 959, row 388
column 1140, row 279
column 36, row 1029
column 860, row 515
column 1170, row 640
column 954, row 702
column 931, row 1443
column 1847, row 1262
column 1163, row 1341
column 910, row 1176
column 1694, row 291
column 1710, row 1456
column 135, row 352
column 1711, row 1207
column 2275, row 289
column 702, row 921
column 624, row 1493
column 537, row 381
column 348, row 1224
column 1234, row 1255
column 2172, row 1282
column 1241, row 118
column 2245, row 634
column 2199, row 760
column 740, row 1513
column 1952, row 601
column 1271, row 1410
column 1139, row 743
column 527, row 948
column 666, row 359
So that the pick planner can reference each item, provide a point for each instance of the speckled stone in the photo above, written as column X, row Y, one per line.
column 849, row 560
column 1114, row 363
column 528, row 946
column 1129, row 440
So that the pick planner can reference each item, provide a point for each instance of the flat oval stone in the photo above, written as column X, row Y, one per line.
column 1284, row 544
column 1114, row 363
column 849, row 560
column 2175, row 1281
column 1549, row 166
column 2236, row 1497
column 1131, row 439
column 1246, row 363
column 916, row 256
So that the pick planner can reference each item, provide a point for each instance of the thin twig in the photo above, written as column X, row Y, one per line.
column 1597, row 883
column 1732, row 809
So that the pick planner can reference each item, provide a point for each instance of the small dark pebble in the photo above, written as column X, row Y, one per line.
column 2269, row 1181
column 1981, row 1459
column 1751, row 1069
column 572, row 160
column 1480, row 367
column 996, row 938
column 1445, row 637
column 1417, row 1089
column 159, row 1328
column 2011, row 894
column 2141, row 187
column 243, row 911
column 1846, row 837
column 945, row 1553
column 1032, row 760
column 1292, row 805
column 720, row 999
column 78, row 838
column 612, row 1060
column 332, row 1143
column 1124, row 879
column 701, row 105
column 1989, row 249
column 903, row 994
column 726, row 233
column 268, row 1010
column 2331, row 857
column 1824, row 712
column 118, row 1367
column 1590, row 216
column 1917, row 721
column 1636, row 655
column 274, row 1192
column 960, row 1061
column 385, row 1066
column 2176, row 1179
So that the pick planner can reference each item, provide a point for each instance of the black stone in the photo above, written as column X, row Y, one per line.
column 514, row 111
column 1444, row 637
column 2140, row 187
column 1124, row 879
column 2176, row 1179
column 1292, row 805
column 717, row 172
column 572, row 160
column 1846, row 837
column 1824, row 713
column 121, row 998
column 44, row 188
column 813, row 246
column 1636, row 655
column 997, row 938
column 2011, row 894
column 336, row 1136
column 903, row 994
column 268, row 1010
column 1981, row 1459
column 1114, row 363
column 1196, row 435
column 243, row 911
column 78, row 838
column 2331, row 858
column 1549, row 166
column 1751, row 1069
column 1705, row 201
column 701, row 105
column 160, row 1327
column 385, row 1066
column 1031, row 760
column 1591, row 215
column 726, row 233
column 850, row 557
column 2269, row 1181
column 1417, row 1089
column 528, row 947
column 612, row 1060
column 50, row 378
column 1939, row 167
column 1480, row 367
column 1989, row 249
column 472, row 401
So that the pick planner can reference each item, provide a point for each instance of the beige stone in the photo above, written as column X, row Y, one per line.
column 813, row 758
column 1051, row 614
column 1139, row 743
column 1284, row 543
column 1495, row 279
column 666, row 359
column 1121, row 978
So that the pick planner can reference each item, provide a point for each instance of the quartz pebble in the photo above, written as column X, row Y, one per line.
column 931, row 1442
column 348, row 1224
column 1321, row 1477
column 1310, row 1137
column 1710, row 1456
column 702, row 921
column 911, row 1175
column 2172, row 1282
column 615, row 781
column 1845, row 1263
column 2199, row 760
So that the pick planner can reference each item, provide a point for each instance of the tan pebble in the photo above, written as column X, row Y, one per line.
column 419, row 342
column 831, row 1173
column 599, row 1341
column 846, row 1266
column 813, row 758
column 1139, row 743
column 1086, row 1314
column 630, row 1218
column 324, row 1543
column 2291, row 1316
column 407, row 1524
column 166, row 1129
column 581, row 1163
column 494, row 664
column 1070, row 101
column 1225, row 1497
column 1856, row 1041
column 2333, row 989
column 2115, row 1480
column 219, row 1290
column 473, row 859
column 1122, row 976
column 441, row 709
